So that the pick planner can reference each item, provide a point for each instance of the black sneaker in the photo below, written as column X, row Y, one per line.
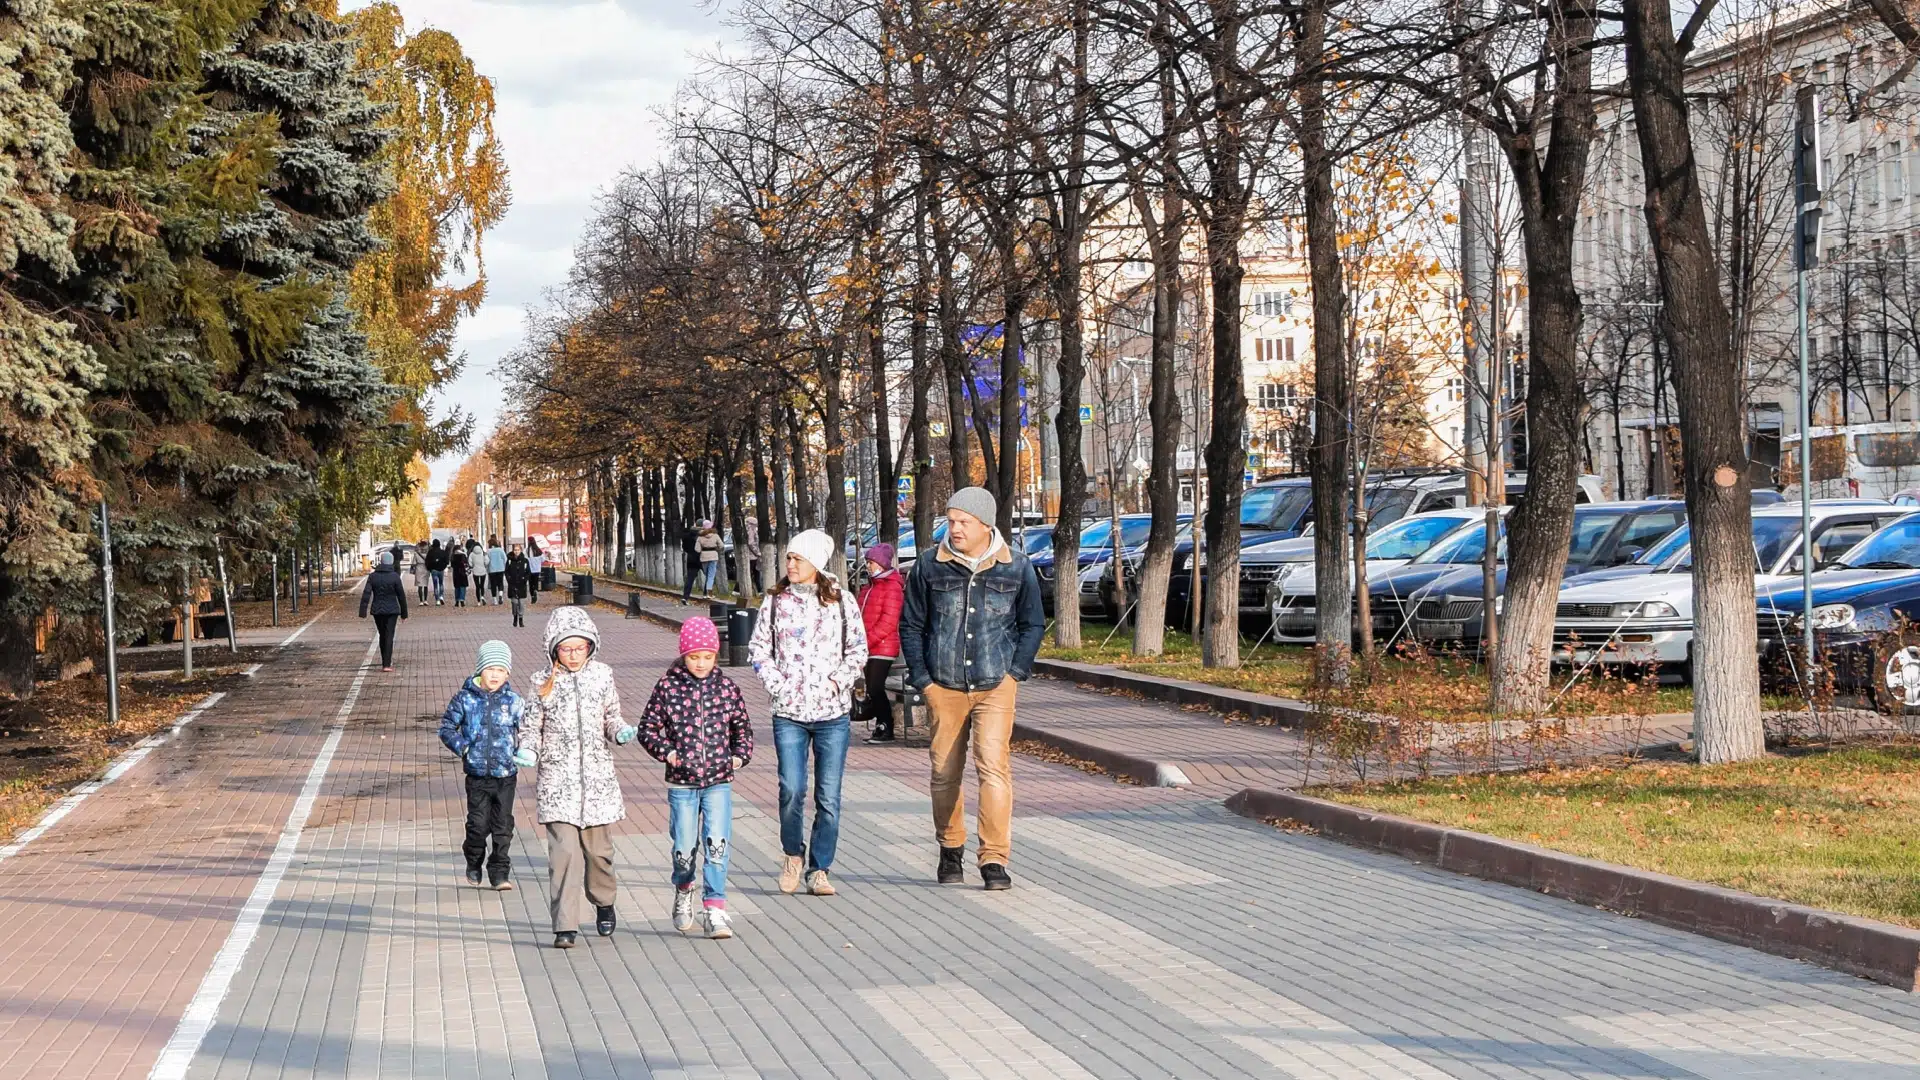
column 565, row 939
column 881, row 735
column 473, row 877
column 603, row 920
column 503, row 884
column 995, row 877
column 953, row 868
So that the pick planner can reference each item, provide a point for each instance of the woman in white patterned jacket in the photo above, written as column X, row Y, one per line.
column 572, row 723
column 808, row 647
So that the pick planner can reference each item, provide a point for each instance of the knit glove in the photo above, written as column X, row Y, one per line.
column 626, row 734
column 525, row 758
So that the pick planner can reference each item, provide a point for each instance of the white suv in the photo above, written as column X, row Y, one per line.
column 1648, row 619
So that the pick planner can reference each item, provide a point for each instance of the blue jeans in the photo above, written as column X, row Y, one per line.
column 696, row 814
column 707, row 571
column 828, row 741
column 439, row 583
column 459, row 594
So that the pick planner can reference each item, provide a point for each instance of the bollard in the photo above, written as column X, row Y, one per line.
column 633, row 605
column 739, row 633
column 582, row 590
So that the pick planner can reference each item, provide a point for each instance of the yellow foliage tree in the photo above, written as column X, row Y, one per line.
column 409, row 513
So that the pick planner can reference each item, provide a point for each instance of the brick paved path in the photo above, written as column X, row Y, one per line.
column 275, row 891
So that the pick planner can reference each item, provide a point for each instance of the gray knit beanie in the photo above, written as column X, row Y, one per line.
column 494, row 653
column 977, row 501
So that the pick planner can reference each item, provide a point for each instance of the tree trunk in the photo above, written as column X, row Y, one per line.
column 1332, row 388
column 672, row 561
column 1726, row 681
column 802, row 486
column 763, row 500
column 623, row 515
column 743, row 587
column 1072, row 365
column 832, row 422
column 1539, row 530
column 885, row 500
column 16, row 640
column 782, row 508
column 952, row 357
column 1012, row 344
column 1164, row 231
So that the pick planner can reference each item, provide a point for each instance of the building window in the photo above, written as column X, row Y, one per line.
column 1896, row 173
column 1137, row 268
column 1280, row 397
column 1457, row 388
column 1273, row 350
column 1273, row 304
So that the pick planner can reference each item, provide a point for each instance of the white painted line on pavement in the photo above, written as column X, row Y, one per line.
column 303, row 629
column 964, row 1034
column 252, row 670
column 114, row 772
column 204, row 1009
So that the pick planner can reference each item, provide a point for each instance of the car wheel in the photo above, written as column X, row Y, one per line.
column 1895, row 677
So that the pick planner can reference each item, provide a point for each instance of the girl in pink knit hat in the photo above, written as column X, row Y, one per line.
column 696, row 723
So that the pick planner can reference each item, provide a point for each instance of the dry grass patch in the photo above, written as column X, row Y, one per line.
column 59, row 737
column 1835, row 827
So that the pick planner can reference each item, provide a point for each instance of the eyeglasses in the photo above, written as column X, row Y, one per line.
column 574, row 650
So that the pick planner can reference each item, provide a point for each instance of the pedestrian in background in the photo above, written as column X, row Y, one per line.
column 517, row 585
column 880, row 602
column 969, row 631
column 690, row 561
column 462, row 575
column 696, row 724
column 437, row 571
column 536, row 566
column 482, row 727
column 417, row 566
column 709, row 545
column 496, row 569
column 385, row 596
column 808, row 647
column 573, row 723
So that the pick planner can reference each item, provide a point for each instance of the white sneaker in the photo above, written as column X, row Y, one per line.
column 683, row 914
column 719, row 924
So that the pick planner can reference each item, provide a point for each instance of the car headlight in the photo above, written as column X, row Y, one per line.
column 1652, row 609
column 1827, row 617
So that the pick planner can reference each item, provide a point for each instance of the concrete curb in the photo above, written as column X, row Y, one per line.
column 1144, row 771
column 1864, row 947
column 1283, row 712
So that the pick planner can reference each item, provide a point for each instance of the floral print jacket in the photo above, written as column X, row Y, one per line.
column 808, row 653
column 703, row 722
column 571, row 727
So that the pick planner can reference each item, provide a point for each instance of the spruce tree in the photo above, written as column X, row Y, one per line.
column 45, row 371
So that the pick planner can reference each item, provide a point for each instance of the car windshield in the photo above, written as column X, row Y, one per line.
column 1464, row 546
column 1037, row 540
column 1133, row 531
column 1386, row 506
column 1660, row 553
column 1279, row 507
column 1408, row 537
column 1588, row 531
column 1896, row 547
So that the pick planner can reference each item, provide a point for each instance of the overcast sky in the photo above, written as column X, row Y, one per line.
column 576, row 81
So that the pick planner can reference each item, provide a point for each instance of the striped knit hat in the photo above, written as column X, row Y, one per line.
column 493, row 654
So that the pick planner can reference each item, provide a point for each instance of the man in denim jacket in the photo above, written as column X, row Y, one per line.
column 969, row 632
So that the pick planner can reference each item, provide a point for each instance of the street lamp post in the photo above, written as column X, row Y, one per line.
column 1806, row 176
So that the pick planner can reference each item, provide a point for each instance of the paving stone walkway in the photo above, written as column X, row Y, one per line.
column 275, row 891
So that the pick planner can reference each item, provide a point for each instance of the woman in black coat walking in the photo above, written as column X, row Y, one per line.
column 458, row 560
column 386, row 596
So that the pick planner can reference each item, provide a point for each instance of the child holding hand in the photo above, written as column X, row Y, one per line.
column 696, row 723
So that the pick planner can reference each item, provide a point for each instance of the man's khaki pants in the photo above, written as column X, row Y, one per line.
column 986, row 718
column 578, row 861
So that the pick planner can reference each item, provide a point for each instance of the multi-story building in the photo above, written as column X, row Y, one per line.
column 1864, row 295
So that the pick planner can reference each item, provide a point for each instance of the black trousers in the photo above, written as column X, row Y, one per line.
column 386, row 625
column 490, row 814
column 497, row 583
column 876, row 706
column 693, row 571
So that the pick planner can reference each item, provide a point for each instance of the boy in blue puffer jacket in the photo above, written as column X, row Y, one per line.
column 482, row 727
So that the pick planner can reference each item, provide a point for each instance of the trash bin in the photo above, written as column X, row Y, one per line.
column 582, row 589
column 549, row 578
column 720, row 611
column 739, row 633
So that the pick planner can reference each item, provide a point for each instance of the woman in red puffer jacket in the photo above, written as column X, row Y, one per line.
column 880, row 600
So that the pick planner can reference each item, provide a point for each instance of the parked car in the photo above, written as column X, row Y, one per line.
column 1284, row 508
column 1286, row 568
column 1648, row 619
column 1604, row 534
column 1864, row 610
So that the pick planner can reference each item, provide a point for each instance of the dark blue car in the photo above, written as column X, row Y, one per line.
column 1866, row 621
